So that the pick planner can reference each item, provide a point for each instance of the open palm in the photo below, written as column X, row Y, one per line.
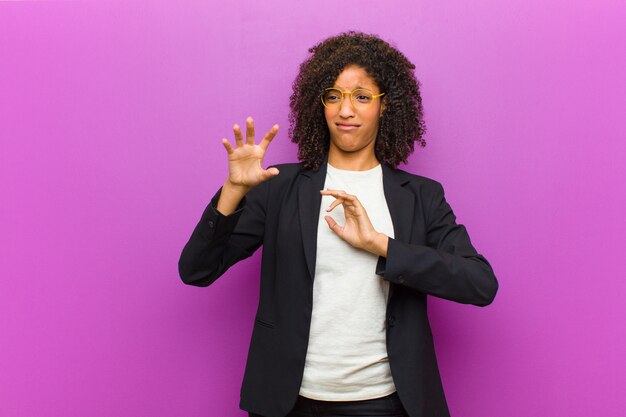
column 245, row 161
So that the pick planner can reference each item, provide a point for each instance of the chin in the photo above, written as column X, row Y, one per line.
column 347, row 144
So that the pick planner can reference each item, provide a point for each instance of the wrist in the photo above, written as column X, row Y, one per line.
column 230, row 197
column 379, row 245
column 239, row 189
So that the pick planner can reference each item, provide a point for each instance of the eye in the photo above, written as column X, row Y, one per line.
column 363, row 97
column 332, row 96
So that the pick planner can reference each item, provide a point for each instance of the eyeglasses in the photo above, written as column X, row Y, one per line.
column 361, row 98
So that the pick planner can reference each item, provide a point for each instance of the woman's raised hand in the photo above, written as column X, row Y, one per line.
column 245, row 167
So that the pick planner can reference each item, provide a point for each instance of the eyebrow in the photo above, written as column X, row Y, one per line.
column 357, row 87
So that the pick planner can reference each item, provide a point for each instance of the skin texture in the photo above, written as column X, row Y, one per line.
column 353, row 149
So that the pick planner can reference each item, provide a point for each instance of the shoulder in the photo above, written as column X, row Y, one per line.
column 417, row 183
column 428, row 191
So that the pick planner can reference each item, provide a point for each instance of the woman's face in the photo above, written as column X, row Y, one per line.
column 353, row 129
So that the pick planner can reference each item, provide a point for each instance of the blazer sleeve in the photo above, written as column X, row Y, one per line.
column 448, row 266
column 219, row 241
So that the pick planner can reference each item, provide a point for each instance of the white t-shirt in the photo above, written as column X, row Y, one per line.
column 347, row 353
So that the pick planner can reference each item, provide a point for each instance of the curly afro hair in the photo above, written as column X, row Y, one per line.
column 402, row 123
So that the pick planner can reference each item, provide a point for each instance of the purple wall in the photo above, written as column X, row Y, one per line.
column 111, row 117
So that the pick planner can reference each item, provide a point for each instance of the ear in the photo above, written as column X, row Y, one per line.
column 382, row 108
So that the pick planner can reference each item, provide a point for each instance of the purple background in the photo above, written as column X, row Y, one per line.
column 111, row 117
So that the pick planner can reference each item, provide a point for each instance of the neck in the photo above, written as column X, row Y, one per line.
column 352, row 161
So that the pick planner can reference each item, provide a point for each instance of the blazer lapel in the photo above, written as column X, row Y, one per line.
column 400, row 201
column 309, row 203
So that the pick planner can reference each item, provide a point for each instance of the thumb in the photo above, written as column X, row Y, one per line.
column 332, row 223
column 271, row 172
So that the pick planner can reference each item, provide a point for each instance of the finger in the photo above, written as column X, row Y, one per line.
column 238, row 135
column 330, row 190
column 228, row 146
column 348, row 207
column 340, row 194
column 335, row 193
column 250, row 131
column 334, row 226
column 335, row 204
column 348, row 198
column 267, row 139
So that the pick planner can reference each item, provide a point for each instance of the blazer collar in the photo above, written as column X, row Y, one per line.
column 401, row 203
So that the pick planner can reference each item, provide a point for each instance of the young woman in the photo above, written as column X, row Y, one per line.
column 352, row 245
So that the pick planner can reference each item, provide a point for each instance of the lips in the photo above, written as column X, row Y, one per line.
column 346, row 126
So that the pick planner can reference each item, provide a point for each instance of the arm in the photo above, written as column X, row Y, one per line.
column 235, row 231
column 219, row 241
column 447, row 267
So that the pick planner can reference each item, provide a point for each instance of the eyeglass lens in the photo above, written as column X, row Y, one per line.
column 359, row 97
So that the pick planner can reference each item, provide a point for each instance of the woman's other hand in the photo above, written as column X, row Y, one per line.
column 245, row 168
column 358, row 230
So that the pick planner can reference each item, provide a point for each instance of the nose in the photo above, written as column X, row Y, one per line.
column 346, row 108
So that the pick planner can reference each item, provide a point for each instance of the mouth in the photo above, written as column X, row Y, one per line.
column 346, row 126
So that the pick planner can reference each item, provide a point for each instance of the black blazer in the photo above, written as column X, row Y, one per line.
column 430, row 254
